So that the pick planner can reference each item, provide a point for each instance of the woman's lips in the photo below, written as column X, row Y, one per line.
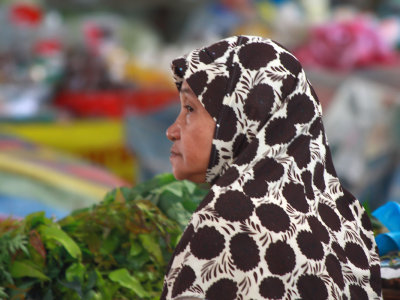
column 174, row 153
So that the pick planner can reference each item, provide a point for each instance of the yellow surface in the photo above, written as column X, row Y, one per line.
column 76, row 135
column 99, row 140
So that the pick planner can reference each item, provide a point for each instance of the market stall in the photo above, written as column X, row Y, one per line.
column 86, row 95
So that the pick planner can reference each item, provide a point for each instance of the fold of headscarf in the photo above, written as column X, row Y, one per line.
column 276, row 224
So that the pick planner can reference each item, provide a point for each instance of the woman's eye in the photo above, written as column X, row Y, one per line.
column 189, row 108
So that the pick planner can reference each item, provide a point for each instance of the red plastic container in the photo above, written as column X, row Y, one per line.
column 114, row 103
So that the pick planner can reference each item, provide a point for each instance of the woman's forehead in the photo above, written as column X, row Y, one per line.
column 186, row 90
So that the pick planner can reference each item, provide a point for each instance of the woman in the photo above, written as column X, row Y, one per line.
column 276, row 223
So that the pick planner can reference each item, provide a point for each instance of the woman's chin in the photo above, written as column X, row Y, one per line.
column 177, row 177
column 196, row 178
column 177, row 174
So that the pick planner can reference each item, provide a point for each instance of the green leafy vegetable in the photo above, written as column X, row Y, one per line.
column 60, row 236
column 117, row 249
column 122, row 277
column 24, row 269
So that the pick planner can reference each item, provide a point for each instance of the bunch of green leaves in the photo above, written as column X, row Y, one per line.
column 11, row 241
column 117, row 249
column 176, row 199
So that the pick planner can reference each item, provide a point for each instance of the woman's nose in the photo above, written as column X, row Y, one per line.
column 173, row 132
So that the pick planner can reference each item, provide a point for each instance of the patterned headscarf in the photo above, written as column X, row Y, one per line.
column 276, row 224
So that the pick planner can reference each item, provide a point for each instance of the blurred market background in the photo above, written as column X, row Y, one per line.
column 86, row 92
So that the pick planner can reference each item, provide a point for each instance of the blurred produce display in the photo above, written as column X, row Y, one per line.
column 43, row 54
column 117, row 249
column 31, row 59
column 348, row 44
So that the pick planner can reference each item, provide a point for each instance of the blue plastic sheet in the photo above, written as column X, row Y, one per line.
column 11, row 206
column 389, row 216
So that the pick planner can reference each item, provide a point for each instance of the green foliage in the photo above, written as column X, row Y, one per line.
column 117, row 249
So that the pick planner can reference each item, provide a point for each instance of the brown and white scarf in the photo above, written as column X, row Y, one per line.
column 276, row 224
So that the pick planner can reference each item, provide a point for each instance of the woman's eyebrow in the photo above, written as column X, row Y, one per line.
column 187, row 91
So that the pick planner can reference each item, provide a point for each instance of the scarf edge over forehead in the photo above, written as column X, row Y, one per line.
column 274, row 188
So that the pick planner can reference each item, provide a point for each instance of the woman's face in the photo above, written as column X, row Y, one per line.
column 192, row 134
